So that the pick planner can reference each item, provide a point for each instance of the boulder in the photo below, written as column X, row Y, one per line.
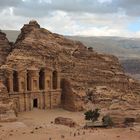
column 3, row 90
column 94, row 124
column 125, row 117
column 65, row 121
column 7, row 105
column 7, row 115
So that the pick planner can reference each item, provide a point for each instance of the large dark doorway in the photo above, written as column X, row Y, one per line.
column 35, row 103
column 42, row 79
column 28, row 81
column 15, row 81
column 54, row 80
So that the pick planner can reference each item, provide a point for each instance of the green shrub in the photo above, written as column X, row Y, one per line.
column 128, row 121
column 92, row 115
column 107, row 120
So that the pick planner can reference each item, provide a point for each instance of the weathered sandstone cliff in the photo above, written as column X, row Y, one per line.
column 7, row 105
column 5, row 47
column 87, row 78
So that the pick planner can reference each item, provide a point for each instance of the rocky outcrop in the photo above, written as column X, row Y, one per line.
column 125, row 117
column 5, row 47
column 7, row 106
column 7, row 113
column 81, row 68
column 3, row 90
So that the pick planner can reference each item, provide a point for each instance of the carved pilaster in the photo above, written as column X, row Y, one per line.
column 34, row 80
column 22, row 81
column 10, row 81
column 25, row 81
column 48, row 79
column 58, row 79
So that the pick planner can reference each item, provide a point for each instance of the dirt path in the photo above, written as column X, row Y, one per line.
column 37, row 125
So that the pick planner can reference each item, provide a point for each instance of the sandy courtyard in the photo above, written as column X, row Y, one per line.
column 38, row 125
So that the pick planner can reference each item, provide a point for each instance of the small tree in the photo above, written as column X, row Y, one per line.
column 90, row 95
column 92, row 115
column 107, row 120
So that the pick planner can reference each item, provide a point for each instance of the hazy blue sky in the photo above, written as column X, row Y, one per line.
column 75, row 17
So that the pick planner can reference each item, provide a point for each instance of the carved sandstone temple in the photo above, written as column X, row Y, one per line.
column 34, row 87
column 32, row 79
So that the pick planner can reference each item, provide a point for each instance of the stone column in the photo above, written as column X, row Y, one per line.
column 10, row 81
column 58, row 79
column 45, row 84
column 25, row 81
column 22, row 81
column 48, row 79
column 51, row 82
column 35, row 80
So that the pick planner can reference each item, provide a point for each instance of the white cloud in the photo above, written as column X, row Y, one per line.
column 104, row 31
column 103, row 1
column 9, row 21
column 63, row 23
column 74, row 17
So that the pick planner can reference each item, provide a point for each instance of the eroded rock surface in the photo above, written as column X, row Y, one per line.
column 82, row 69
column 5, row 47
column 7, row 106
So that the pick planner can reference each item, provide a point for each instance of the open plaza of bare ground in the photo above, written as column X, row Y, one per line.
column 39, row 125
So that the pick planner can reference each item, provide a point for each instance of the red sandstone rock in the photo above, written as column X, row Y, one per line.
column 65, row 121
column 81, row 68
column 7, row 106
column 5, row 47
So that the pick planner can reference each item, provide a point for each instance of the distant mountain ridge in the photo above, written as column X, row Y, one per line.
column 126, row 49
column 123, row 48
